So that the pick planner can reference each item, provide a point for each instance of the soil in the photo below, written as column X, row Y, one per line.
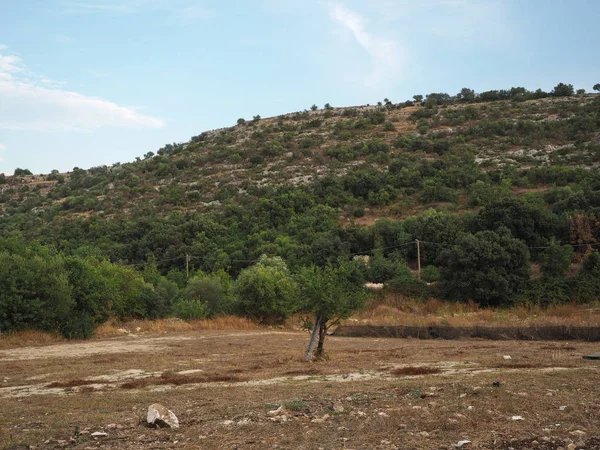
column 252, row 390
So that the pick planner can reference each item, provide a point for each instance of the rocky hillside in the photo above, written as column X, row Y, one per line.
column 233, row 164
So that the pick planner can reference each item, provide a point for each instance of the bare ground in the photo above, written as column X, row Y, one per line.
column 226, row 387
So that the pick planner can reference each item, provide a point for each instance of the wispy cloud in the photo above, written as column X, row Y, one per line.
column 386, row 55
column 30, row 102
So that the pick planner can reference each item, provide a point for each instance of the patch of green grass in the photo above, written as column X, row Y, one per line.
column 296, row 404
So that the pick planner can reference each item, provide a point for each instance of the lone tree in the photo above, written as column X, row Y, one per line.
column 596, row 87
column 331, row 293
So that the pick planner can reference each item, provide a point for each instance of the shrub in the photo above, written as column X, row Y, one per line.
column 430, row 274
column 266, row 291
column 187, row 309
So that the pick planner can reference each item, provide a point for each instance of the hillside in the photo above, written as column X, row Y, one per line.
column 487, row 183
column 233, row 164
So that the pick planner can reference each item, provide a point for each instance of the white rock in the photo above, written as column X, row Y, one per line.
column 578, row 433
column 99, row 434
column 161, row 416
column 507, row 357
column 424, row 433
column 275, row 412
column 383, row 414
column 517, row 418
column 228, row 422
column 460, row 444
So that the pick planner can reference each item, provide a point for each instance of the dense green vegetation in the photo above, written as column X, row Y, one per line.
column 489, row 183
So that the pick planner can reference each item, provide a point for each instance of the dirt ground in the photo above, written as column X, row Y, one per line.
column 252, row 390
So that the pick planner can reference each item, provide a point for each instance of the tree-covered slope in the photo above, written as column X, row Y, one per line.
column 511, row 175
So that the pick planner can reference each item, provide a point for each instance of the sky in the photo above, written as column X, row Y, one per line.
column 85, row 83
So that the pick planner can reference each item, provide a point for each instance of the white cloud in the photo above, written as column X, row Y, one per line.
column 30, row 102
column 386, row 55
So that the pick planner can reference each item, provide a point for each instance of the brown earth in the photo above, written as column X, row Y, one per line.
column 226, row 387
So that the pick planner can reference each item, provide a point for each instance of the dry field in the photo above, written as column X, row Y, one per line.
column 225, row 387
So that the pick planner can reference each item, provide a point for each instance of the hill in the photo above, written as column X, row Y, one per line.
column 512, row 173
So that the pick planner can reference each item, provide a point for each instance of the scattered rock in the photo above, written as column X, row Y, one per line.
column 562, row 408
column 461, row 444
column 383, row 414
column 160, row 416
column 321, row 420
column 275, row 412
column 517, row 418
column 424, row 433
column 337, row 407
column 578, row 433
column 506, row 357
column 228, row 422
column 99, row 434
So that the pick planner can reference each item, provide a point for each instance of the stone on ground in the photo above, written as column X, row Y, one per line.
column 160, row 416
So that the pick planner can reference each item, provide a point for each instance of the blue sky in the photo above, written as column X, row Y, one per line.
column 91, row 82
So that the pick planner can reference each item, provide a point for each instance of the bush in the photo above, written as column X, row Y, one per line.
column 211, row 291
column 266, row 291
column 383, row 269
column 430, row 274
column 187, row 309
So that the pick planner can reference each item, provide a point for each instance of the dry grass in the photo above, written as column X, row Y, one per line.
column 406, row 393
column 113, row 328
column 394, row 309
column 28, row 338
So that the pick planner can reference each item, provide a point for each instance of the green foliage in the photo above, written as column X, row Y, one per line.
column 381, row 269
column 212, row 291
column 334, row 291
column 188, row 309
column 266, row 291
column 489, row 267
column 556, row 260
column 19, row 172
column 563, row 90
column 430, row 274
column 531, row 222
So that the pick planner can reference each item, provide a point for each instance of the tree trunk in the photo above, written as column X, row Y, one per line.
column 313, row 338
column 322, row 334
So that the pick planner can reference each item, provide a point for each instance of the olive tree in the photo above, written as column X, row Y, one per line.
column 331, row 294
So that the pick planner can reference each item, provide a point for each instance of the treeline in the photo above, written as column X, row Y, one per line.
column 72, row 293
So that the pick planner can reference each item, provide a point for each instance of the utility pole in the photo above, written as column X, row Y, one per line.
column 418, row 259
column 187, row 265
